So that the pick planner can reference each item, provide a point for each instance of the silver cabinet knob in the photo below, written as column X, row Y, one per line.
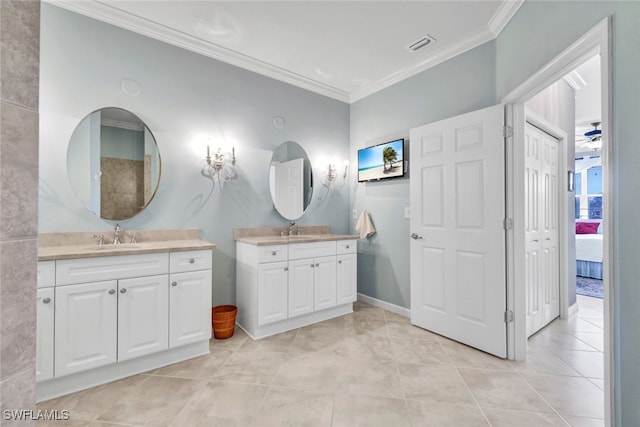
column 340, row 262
column 535, row 240
column 191, row 260
column 312, row 265
column 317, row 265
column 286, row 269
column 174, row 283
column 347, row 246
column 46, row 300
column 123, row 290
column 273, row 253
column 112, row 291
column 416, row 236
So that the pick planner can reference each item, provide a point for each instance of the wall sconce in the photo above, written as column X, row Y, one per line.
column 221, row 165
column 332, row 173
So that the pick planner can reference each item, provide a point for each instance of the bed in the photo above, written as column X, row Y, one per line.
column 588, row 250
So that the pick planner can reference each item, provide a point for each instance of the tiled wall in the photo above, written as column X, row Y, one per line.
column 19, row 77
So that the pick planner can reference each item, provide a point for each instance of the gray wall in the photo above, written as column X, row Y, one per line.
column 537, row 33
column 557, row 104
column 20, row 40
column 184, row 97
column 462, row 84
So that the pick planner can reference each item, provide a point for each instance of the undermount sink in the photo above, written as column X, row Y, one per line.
column 121, row 246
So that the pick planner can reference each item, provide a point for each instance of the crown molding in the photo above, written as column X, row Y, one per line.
column 479, row 38
column 104, row 12
column 110, row 14
column 503, row 15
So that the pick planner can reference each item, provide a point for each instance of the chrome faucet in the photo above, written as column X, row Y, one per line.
column 100, row 238
column 291, row 225
column 116, row 234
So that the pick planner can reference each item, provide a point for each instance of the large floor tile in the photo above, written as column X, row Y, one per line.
column 355, row 410
column 250, row 367
column 368, row 346
column 420, row 351
column 369, row 377
column 594, row 339
column 404, row 329
column 222, row 404
column 311, row 371
column 503, row 390
column 318, row 341
column 542, row 361
column 575, row 396
column 289, row 407
column 233, row 342
column 198, row 367
column 588, row 363
column 280, row 343
column 429, row 414
column 154, row 402
column 467, row 357
column 89, row 404
column 504, row 418
column 432, row 383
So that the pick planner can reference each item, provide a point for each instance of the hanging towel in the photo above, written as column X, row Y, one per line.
column 364, row 226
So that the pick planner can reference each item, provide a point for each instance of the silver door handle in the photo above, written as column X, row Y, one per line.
column 415, row 236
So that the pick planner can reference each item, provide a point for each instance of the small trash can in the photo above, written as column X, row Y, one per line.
column 223, row 320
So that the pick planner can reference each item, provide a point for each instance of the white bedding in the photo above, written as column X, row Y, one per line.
column 589, row 247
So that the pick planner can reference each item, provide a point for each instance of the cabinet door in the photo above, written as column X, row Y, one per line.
column 324, row 283
column 143, row 316
column 85, row 326
column 300, row 286
column 346, row 278
column 272, row 292
column 189, row 307
column 44, row 334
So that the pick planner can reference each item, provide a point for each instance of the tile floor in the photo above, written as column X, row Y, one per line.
column 368, row 368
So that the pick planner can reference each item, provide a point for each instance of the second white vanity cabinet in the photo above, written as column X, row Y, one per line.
column 285, row 286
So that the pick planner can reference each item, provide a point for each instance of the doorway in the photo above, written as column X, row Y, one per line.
column 594, row 42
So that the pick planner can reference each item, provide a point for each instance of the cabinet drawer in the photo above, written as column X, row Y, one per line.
column 312, row 250
column 347, row 246
column 272, row 253
column 46, row 273
column 190, row 261
column 84, row 270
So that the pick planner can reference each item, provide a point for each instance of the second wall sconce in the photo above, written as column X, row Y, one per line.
column 221, row 166
column 332, row 173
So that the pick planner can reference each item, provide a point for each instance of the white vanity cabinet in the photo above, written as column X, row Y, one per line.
column 114, row 316
column 189, row 297
column 285, row 286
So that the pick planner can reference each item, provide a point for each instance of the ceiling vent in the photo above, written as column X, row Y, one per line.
column 419, row 44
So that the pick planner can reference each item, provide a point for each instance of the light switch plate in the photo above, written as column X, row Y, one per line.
column 407, row 213
column 354, row 215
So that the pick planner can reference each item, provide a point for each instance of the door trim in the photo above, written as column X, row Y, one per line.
column 596, row 41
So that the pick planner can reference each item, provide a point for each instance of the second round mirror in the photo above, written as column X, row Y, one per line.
column 290, row 180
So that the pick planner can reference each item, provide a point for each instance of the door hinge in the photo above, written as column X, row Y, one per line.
column 508, row 316
column 507, row 223
column 507, row 131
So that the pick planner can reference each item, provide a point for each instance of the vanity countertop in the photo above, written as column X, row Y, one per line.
column 57, row 246
column 263, row 236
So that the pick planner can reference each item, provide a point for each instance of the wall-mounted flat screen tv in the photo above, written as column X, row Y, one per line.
column 381, row 161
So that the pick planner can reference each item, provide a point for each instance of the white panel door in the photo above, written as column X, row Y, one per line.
column 346, row 276
column 272, row 292
column 143, row 316
column 542, row 259
column 457, row 199
column 85, row 326
column 324, row 282
column 44, row 333
column 289, row 188
column 300, row 287
column 189, row 307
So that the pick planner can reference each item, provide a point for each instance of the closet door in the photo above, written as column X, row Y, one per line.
column 541, row 229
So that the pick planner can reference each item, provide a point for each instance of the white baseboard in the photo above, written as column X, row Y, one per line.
column 402, row 311
column 573, row 309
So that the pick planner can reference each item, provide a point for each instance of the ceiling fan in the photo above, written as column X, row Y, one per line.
column 591, row 139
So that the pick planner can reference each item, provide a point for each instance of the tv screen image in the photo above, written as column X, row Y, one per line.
column 381, row 161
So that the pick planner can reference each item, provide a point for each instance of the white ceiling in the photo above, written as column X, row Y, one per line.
column 585, row 80
column 342, row 49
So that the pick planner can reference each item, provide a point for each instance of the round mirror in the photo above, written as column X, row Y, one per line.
column 290, row 180
column 113, row 163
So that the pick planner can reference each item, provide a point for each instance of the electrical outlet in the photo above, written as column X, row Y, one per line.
column 407, row 213
column 354, row 214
